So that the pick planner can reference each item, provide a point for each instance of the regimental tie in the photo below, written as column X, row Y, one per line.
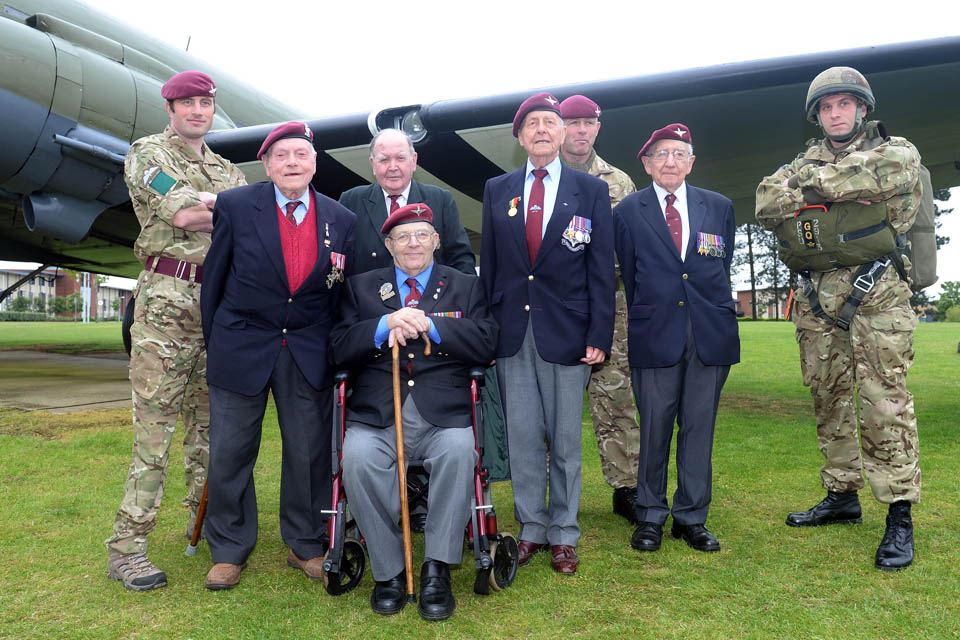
column 674, row 223
column 413, row 298
column 535, row 214
column 393, row 203
column 291, row 207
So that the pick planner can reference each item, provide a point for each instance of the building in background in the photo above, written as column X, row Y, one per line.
column 107, row 298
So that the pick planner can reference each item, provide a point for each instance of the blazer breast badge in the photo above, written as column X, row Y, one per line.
column 577, row 234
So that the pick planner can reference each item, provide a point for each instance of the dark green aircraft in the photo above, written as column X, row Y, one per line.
column 76, row 88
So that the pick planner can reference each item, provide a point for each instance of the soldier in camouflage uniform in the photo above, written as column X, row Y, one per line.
column 173, row 178
column 609, row 391
column 874, row 354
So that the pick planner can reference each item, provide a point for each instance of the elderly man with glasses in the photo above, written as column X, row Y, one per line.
column 675, row 244
column 400, row 304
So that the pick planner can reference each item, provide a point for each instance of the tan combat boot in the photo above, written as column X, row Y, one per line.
column 135, row 571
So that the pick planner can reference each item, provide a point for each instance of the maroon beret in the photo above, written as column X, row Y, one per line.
column 416, row 212
column 542, row 101
column 579, row 107
column 675, row 131
column 284, row 131
column 188, row 84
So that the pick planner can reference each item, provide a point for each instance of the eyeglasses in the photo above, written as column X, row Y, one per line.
column 661, row 156
column 403, row 239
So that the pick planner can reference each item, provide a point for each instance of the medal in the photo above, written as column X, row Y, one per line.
column 513, row 207
column 326, row 234
column 337, row 263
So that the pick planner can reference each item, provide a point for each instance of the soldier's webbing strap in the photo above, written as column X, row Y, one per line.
column 863, row 281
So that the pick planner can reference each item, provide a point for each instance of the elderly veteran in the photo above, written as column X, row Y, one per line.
column 546, row 262
column 675, row 244
column 274, row 274
column 173, row 179
column 398, row 304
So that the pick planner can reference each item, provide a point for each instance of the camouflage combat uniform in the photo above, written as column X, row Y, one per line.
column 609, row 391
column 873, row 356
column 167, row 359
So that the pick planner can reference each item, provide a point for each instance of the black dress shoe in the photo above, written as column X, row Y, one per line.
column 389, row 596
column 436, row 597
column 696, row 536
column 836, row 508
column 896, row 549
column 647, row 536
column 624, row 501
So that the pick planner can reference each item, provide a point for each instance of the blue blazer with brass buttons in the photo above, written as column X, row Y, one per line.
column 662, row 291
column 568, row 292
column 439, row 382
column 248, row 310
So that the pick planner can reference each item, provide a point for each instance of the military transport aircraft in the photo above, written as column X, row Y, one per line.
column 76, row 88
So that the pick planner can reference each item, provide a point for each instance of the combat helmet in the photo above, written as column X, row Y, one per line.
column 838, row 80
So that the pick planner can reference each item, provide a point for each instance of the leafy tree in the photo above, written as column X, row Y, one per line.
column 58, row 305
column 74, row 303
column 953, row 314
column 20, row 303
column 39, row 305
column 115, row 304
column 941, row 195
column 949, row 297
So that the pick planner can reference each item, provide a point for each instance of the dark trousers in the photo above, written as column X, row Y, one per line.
column 236, row 421
column 686, row 393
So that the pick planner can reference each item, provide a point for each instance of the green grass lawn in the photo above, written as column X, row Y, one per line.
column 61, row 337
column 61, row 477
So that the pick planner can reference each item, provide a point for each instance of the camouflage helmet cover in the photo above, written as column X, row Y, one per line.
column 838, row 80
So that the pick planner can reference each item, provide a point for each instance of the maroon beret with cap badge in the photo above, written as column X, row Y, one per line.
column 578, row 106
column 675, row 131
column 415, row 212
column 284, row 131
column 542, row 101
column 188, row 84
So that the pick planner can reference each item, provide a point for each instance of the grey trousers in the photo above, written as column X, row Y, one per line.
column 373, row 492
column 688, row 393
column 543, row 403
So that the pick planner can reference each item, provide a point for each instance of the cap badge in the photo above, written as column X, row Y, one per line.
column 680, row 132
column 419, row 210
column 597, row 112
column 213, row 91
column 306, row 131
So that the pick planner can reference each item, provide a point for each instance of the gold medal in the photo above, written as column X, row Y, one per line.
column 512, row 212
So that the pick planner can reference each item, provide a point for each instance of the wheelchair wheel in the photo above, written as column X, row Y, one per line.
column 506, row 561
column 352, row 565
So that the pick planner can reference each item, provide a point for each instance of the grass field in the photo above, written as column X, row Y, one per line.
column 59, row 491
column 61, row 337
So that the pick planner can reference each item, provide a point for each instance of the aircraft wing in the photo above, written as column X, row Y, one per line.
column 747, row 119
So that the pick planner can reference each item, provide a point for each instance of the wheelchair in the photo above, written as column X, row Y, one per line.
column 496, row 556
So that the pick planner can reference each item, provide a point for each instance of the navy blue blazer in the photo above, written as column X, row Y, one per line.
column 569, row 290
column 439, row 382
column 371, row 209
column 247, row 306
column 662, row 291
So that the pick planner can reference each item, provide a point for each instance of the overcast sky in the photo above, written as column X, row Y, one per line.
column 336, row 57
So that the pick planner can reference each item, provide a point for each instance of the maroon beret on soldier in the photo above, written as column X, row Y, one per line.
column 188, row 84
column 675, row 131
column 542, row 101
column 284, row 131
column 416, row 212
column 578, row 106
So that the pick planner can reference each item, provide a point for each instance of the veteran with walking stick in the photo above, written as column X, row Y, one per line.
column 393, row 307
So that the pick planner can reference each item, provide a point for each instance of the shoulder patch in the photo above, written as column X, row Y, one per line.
column 157, row 180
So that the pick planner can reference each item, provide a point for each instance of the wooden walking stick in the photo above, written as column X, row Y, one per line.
column 402, row 474
column 198, row 526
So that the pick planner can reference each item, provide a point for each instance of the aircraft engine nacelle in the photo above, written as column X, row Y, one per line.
column 79, row 99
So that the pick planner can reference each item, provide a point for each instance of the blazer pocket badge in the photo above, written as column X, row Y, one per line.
column 709, row 244
column 337, row 263
column 577, row 234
